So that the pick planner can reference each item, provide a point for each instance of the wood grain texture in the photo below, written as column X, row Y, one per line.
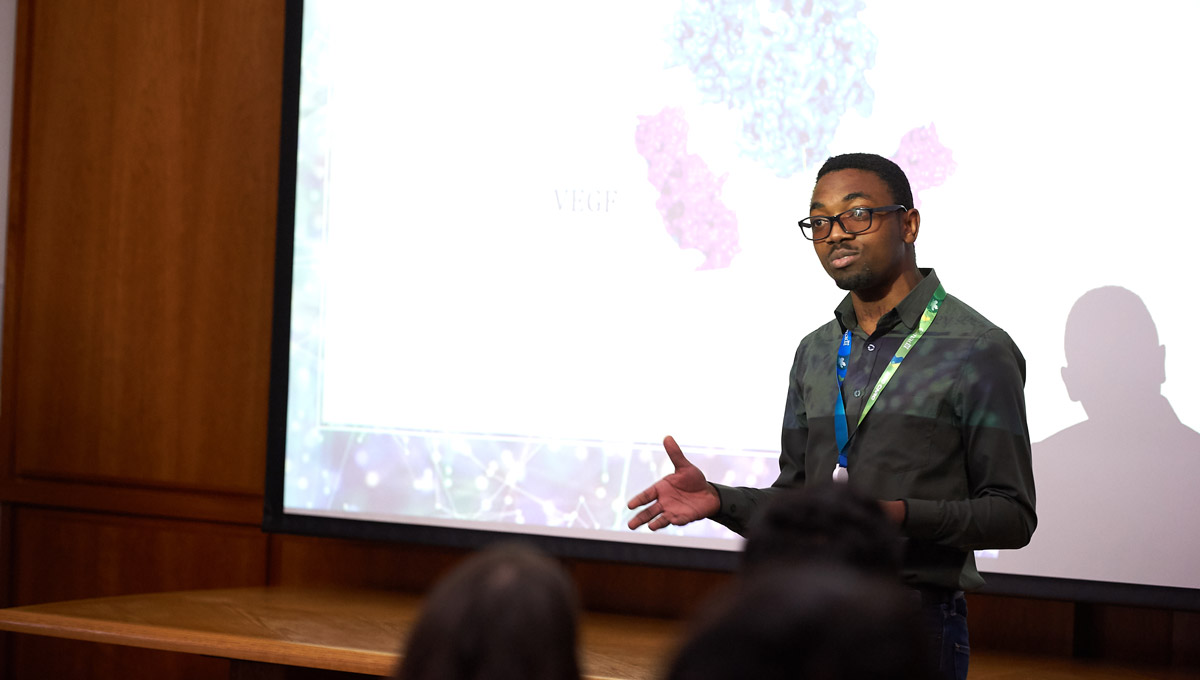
column 1128, row 634
column 1002, row 666
column 357, row 631
column 256, row 670
column 147, row 234
column 35, row 657
column 633, row 589
column 309, row 561
column 644, row 590
column 245, row 509
column 1014, row 624
column 363, row 631
column 63, row 555
column 1185, row 639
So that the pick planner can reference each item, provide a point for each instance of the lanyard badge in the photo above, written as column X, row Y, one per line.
column 841, row 428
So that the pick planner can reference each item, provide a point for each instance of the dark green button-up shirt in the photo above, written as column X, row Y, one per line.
column 948, row 434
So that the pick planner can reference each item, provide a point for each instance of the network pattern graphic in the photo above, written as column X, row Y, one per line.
column 520, row 481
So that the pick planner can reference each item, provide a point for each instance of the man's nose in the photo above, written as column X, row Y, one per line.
column 838, row 233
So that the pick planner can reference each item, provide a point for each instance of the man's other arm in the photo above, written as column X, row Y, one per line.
column 990, row 403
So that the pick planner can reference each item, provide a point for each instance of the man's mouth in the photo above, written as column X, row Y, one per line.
column 842, row 258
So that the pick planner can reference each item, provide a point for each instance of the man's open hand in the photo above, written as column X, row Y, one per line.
column 681, row 497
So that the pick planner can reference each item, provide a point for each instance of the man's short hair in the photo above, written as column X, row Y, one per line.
column 889, row 172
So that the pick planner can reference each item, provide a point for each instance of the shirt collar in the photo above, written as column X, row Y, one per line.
column 909, row 310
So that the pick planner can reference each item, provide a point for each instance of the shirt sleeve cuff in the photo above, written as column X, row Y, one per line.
column 736, row 508
column 920, row 518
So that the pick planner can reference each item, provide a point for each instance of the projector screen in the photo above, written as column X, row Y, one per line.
column 522, row 242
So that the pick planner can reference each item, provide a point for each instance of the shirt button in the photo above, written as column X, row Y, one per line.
column 733, row 507
column 858, row 393
column 871, row 348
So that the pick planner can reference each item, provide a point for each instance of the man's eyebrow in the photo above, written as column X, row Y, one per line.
column 848, row 197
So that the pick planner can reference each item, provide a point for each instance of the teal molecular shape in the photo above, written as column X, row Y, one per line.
column 790, row 69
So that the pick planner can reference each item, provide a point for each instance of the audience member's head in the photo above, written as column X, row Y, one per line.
column 829, row 523
column 508, row 612
column 810, row 622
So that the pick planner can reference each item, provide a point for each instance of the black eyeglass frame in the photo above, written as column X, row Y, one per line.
column 809, row 230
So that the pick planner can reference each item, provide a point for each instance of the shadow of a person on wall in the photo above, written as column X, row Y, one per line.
column 1116, row 492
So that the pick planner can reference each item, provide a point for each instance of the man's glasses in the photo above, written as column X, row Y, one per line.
column 852, row 221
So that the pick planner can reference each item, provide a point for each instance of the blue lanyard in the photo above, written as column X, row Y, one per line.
column 841, row 429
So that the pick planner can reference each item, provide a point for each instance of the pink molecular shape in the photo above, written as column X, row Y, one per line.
column 689, row 200
column 924, row 159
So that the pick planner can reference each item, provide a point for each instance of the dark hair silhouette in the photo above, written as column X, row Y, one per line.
column 506, row 613
column 889, row 172
column 808, row 622
column 829, row 523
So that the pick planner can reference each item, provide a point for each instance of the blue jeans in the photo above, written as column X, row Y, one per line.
column 946, row 624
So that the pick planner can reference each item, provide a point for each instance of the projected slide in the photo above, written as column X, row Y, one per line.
column 531, row 239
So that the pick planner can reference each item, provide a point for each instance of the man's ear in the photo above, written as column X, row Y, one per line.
column 910, row 226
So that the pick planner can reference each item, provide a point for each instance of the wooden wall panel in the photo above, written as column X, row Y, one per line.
column 39, row 658
column 6, row 558
column 1185, row 640
column 309, row 561
column 148, row 213
column 644, row 590
column 603, row 586
column 1014, row 624
column 63, row 555
column 1130, row 634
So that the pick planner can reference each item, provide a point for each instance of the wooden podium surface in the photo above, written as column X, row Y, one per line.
column 355, row 631
column 361, row 631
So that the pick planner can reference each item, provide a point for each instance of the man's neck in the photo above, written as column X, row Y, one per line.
column 871, row 305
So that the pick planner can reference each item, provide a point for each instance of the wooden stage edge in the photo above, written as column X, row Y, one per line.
column 354, row 631
column 361, row 631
